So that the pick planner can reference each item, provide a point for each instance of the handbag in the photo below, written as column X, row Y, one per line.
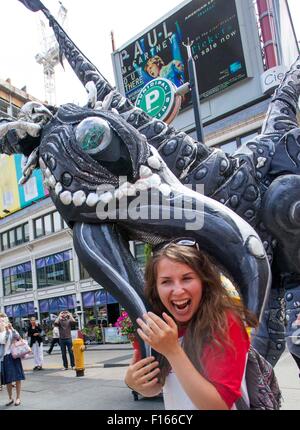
column 20, row 348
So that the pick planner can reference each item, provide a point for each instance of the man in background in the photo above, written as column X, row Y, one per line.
column 65, row 321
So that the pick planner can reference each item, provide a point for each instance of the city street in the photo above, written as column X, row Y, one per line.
column 103, row 387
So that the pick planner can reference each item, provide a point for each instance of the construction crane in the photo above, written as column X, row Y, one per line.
column 49, row 55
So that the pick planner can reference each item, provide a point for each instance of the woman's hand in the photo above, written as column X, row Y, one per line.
column 159, row 334
column 141, row 376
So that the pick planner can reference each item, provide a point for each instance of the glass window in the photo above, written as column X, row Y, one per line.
column 48, row 224
column 38, row 227
column 84, row 274
column 4, row 237
column 65, row 224
column 229, row 147
column 12, row 240
column 55, row 269
column 26, row 232
column 19, row 235
column 57, row 221
column 245, row 139
column 17, row 278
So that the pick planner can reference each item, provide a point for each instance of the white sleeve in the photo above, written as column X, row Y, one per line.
column 3, row 337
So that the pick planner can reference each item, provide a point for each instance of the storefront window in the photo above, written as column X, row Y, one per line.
column 55, row 269
column 100, row 308
column 19, row 315
column 50, row 308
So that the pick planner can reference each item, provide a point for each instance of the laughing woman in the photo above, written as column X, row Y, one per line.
column 197, row 330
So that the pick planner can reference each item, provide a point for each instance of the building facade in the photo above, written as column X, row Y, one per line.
column 41, row 274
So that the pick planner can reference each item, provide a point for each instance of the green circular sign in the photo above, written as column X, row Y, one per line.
column 157, row 98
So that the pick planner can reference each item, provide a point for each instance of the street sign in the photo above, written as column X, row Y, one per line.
column 158, row 99
column 271, row 78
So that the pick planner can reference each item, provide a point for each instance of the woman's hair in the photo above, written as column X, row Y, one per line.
column 3, row 315
column 209, row 323
column 155, row 60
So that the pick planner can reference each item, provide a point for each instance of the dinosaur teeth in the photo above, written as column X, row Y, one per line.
column 42, row 164
column 79, row 198
column 141, row 185
column 154, row 180
column 154, row 162
column 58, row 188
column 165, row 189
column 46, row 183
column 106, row 197
column 47, row 172
column 92, row 199
column 128, row 189
column 52, row 181
column 118, row 194
column 66, row 197
column 145, row 172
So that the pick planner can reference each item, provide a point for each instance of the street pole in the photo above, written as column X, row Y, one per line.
column 195, row 92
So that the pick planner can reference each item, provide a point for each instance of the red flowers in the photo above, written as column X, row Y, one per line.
column 125, row 326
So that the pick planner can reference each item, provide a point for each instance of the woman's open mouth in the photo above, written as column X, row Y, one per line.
column 181, row 306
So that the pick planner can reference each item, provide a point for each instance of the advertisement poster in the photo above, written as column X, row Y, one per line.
column 33, row 189
column 9, row 201
column 13, row 195
column 213, row 27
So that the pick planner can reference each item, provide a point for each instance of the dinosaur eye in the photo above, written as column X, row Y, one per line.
column 93, row 135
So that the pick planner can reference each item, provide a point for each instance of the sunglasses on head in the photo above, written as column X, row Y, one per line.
column 181, row 242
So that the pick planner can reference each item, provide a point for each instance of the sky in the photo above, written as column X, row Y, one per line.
column 89, row 24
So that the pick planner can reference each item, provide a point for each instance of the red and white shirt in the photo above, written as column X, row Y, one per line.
column 224, row 368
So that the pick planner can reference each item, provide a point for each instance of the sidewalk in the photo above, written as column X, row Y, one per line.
column 95, row 356
column 103, row 387
column 289, row 382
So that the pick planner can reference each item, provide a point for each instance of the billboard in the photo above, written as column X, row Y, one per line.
column 217, row 49
column 14, row 196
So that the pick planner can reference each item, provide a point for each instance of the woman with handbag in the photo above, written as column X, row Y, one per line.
column 11, row 368
column 36, row 343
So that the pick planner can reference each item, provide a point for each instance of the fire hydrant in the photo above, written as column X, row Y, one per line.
column 78, row 350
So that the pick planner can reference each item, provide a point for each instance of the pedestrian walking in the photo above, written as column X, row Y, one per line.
column 197, row 330
column 11, row 368
column 55, row 338
column 65, row 321
column 36, row 343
